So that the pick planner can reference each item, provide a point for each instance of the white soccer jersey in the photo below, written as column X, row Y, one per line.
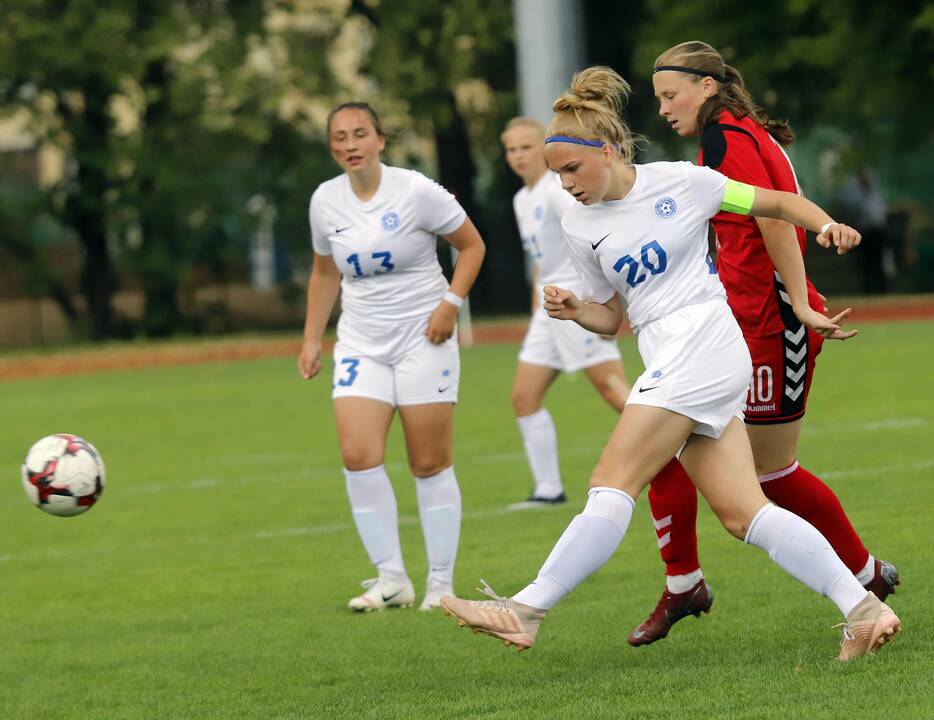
column 385, row 248
column 538, row 214
column 650, row 246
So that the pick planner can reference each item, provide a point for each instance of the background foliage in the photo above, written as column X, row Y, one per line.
column 176, row 120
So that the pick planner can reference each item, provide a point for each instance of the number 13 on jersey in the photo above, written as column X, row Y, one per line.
column 385, row 265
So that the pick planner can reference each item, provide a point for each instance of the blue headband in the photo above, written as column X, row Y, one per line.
column 574, row 140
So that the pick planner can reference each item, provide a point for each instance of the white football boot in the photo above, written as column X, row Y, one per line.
column 435, row 589
column 384, row 592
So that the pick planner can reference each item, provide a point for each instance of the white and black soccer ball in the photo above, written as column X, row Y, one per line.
column 63, row 475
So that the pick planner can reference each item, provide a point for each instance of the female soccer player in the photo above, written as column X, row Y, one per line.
column 373, row 230
column 639, row 238
column 699, row 95
column 552, row 346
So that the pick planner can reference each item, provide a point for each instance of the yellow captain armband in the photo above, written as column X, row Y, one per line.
column 738, row 197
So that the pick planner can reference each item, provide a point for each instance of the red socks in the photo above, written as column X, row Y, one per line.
column 806, row 495
column 673, row 501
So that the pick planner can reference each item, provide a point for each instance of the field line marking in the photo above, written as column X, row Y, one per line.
column 466, row 458
column 896, row 423
column 887, row 424
column 467, row 515
column 920, row 465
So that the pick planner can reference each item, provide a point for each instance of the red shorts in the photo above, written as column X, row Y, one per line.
column 782, row 368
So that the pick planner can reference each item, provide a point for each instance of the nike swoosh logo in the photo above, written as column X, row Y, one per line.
column 642, row 390
column 338, row 231
column 597, row 244
column 390, row 597
column 440, row 389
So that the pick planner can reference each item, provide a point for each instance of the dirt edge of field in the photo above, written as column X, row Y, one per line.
column 20, row 366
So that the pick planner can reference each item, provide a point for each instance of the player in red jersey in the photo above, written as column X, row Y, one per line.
column 700, row 95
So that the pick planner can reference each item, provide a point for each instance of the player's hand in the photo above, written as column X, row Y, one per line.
column 829, row 328
column 560, row 303
column 309, row 362
column 442, row 322
column 823, row 302
column 840, row 236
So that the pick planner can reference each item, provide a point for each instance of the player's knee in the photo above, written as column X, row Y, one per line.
column 767, row 463
column 735, row 524
column 617, row 478
column 613, row 390
column 359, row 457
column 430, row 465
column 615, row 396
column 523, row 402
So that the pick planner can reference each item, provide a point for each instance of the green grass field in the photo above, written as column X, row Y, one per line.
column 212, row 578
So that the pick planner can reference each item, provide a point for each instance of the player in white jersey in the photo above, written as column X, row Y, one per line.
column 639, row 240
column 550, row 346
column 374, row 231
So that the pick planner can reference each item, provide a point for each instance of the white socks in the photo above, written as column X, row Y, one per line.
column 439, row 505
column 682, row 583
column 541, row 449
column 374, row 511
column 589, row 541
column 798, row 548
column 868, row 572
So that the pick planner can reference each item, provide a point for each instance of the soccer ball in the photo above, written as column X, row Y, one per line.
column 63, row 475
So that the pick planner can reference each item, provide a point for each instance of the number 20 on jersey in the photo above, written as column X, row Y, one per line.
column 652, row 257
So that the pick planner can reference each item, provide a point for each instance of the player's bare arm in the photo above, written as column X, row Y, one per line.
column 323, row 289
column 781, row 243
column 536, row 274
column 783, row 248
column 602, row 318
column 800, row 211
column 471, row 250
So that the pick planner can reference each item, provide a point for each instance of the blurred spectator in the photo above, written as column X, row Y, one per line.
column 867, row 211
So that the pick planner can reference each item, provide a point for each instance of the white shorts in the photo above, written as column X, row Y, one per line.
column 696, row 364
column 564, row 345
column 415, row 372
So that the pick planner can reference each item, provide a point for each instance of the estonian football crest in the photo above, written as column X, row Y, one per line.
column 666, row 208
column 391, row 221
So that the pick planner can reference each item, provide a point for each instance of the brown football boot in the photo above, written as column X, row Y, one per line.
column 671, row 608
column 884, row 581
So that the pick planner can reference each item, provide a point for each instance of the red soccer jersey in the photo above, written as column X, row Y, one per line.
column 741, row 149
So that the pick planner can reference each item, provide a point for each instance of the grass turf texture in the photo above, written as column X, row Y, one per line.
column 212, row 578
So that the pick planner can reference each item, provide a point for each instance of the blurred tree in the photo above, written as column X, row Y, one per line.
column 169, row 114
column 25, row 223
column 173, row 114
column 58, row 64
column 452, row 66
column 864, row 67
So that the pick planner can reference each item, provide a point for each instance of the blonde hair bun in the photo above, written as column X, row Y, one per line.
column 590, row 109
column 594, row 88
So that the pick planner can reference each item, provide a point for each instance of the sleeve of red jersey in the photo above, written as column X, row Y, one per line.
column 737, row 153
